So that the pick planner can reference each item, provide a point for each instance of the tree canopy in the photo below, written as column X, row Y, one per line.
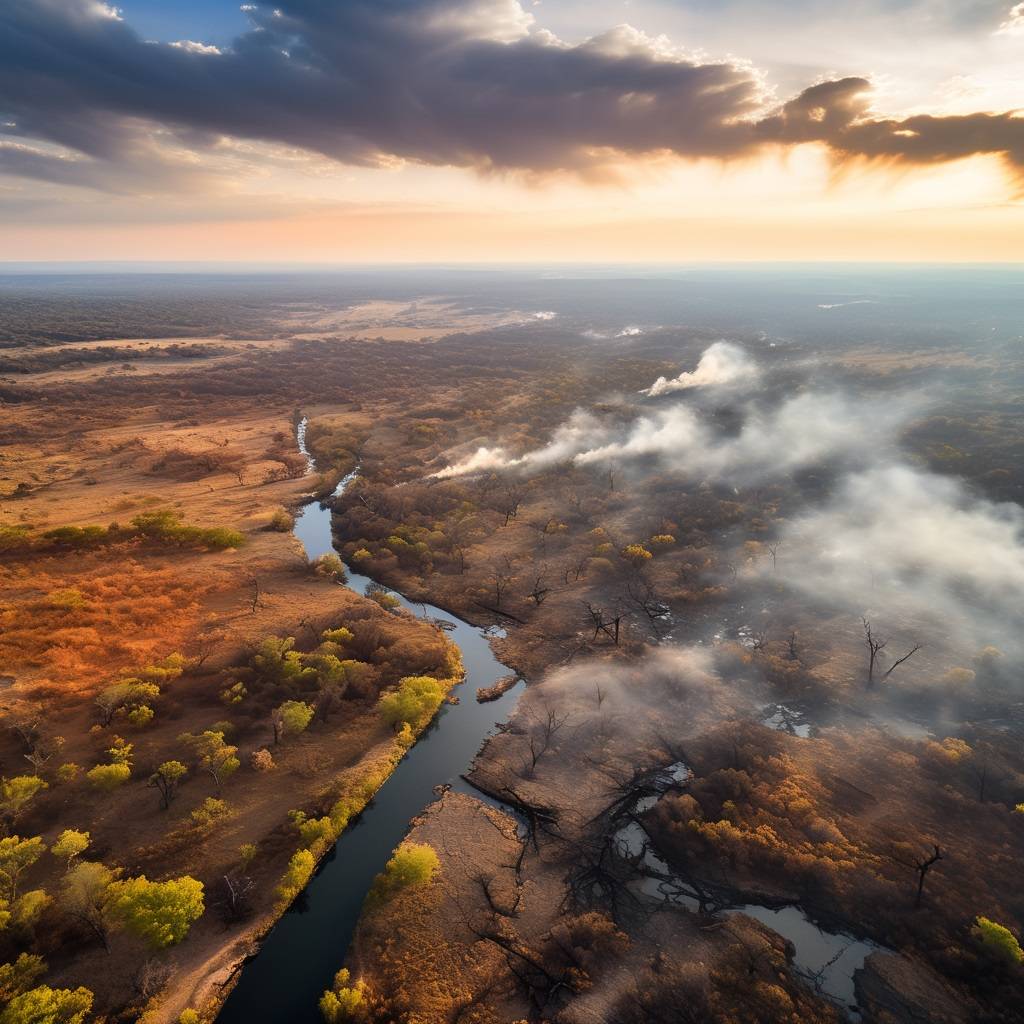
column 159, row 912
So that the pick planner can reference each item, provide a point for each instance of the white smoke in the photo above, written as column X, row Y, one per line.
column 481, row 460
column 804, row 431
column 722, row 363
column 912, row 542
column 579, row 432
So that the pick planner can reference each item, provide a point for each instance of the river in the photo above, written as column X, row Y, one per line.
column 298, row 959
column 307, row 945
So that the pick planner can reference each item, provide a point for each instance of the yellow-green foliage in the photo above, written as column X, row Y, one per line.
column 405, row 737
column 453, row 667
column 281, row 521
column 108, row 777
column 141, row 715
column 277, row 663
column 209, row 812
column 126, row 696
column 45, row 1005
column 27, row 908
column 188, row 1017
column 234, row 693
column 121, row 751
column 330, row 565
column 662, row 540
column 67, row 598
column 296, row 875
column 17, row 855
column 164, row 671
column 345, row 1002
column 68, row 772
column 340, row 636
column 20, row 976
column 159, row 912
column 70, row 843
column 213, row 754
column 15, row 793
column 316, row 834
column 414, row 702
column 636, row 554
column 14, row 538
column 387, row 601
column 412, row 864
column 165, row 525
column 294, row 717
column 999, row 941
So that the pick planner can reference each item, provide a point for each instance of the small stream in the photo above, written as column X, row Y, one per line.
column 300, row 956
column 825, row 960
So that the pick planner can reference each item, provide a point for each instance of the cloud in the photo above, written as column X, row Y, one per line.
column 838, row 114
column 466, row 83
column 907, row 541
column 722, row 363
column 191, row 46
column 1014, row 24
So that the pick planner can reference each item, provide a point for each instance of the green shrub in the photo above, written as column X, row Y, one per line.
column 281, row 521
column 412, row 864
column 330, row 565
column 997, row 940
column 414, row 702
column 345, row 1002
column 108, row 777
column 296, row 875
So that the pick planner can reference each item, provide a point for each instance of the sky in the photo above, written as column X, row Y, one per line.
column 512, row 130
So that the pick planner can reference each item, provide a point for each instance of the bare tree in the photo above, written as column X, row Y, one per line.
column 899, row 661
column 44, row 750
column 922, row 865
column 601, row 624
column 540, row 740
column 794, row 648
column 235, row 896
column 875, row 646
column 509, row 502
column 642, row 594
column 500, row 581
column 256, row 601
column 26, row 725
column 204, row 645
column 539, row 592
column 577, row 569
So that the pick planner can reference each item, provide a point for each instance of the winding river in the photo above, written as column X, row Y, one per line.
column 300, row 956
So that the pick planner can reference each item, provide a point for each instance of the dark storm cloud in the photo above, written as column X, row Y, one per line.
column 449, row 83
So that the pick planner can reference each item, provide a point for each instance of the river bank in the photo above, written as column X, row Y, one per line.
column 308, row 942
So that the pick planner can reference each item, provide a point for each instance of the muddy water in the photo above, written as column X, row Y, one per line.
column 283, row 982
